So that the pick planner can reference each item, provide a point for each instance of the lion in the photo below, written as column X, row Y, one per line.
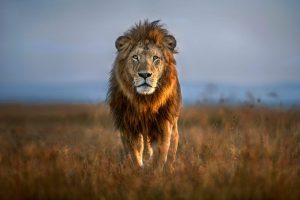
column 144, row 94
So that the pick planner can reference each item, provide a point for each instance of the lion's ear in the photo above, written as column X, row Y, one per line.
column 170, row 42
column 122, row 43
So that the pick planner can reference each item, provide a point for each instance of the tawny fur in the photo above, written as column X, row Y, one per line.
column 144, row 120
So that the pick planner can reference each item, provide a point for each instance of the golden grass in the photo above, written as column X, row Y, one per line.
column 73, row 152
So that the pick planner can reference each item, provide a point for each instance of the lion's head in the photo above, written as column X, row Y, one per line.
column 145, row 52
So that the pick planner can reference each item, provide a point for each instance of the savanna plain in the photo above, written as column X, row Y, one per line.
column 74, row 152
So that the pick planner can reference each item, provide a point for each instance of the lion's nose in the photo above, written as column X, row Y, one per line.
column 145, row 75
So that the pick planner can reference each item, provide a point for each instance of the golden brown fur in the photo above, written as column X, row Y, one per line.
column 146, row 119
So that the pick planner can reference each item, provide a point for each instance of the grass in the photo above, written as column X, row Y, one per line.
column 73, row 152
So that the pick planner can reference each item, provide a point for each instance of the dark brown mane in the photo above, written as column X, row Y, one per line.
column 137, row 113
column 146, row 31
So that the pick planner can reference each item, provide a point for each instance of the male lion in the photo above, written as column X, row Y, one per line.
column 144, row 93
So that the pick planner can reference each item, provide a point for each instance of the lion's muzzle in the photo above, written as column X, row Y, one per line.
column 144, row 84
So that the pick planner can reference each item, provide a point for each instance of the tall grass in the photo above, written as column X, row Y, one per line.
column 73, row 152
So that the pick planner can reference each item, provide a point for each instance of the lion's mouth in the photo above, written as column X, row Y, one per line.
column 144, row 84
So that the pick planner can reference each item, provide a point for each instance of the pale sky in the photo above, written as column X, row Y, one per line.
column 240, row 42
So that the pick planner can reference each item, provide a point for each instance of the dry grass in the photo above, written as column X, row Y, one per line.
column 73, row 152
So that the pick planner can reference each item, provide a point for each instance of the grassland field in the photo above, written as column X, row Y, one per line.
column 74, row 152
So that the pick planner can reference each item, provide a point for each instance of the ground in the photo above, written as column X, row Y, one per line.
column 73, row 152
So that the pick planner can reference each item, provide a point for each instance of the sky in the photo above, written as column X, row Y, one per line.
column 240, row 42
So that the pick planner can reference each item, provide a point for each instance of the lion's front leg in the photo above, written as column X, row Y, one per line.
column 173, row 146
column 148, row 151
column 163, row 144
column 133, row 147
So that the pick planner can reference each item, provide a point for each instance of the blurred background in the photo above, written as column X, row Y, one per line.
column 230, row 52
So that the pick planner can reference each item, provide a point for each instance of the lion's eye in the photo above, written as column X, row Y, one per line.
column 135, row 58
column 155, row 58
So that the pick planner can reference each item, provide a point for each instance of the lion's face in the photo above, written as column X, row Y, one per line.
column 145, row 52
column 145, row 65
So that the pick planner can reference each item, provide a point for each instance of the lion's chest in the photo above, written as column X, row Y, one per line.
column 137, row 122
column 135, row 118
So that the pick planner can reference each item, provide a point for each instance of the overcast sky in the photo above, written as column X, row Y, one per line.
column 240, row 42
